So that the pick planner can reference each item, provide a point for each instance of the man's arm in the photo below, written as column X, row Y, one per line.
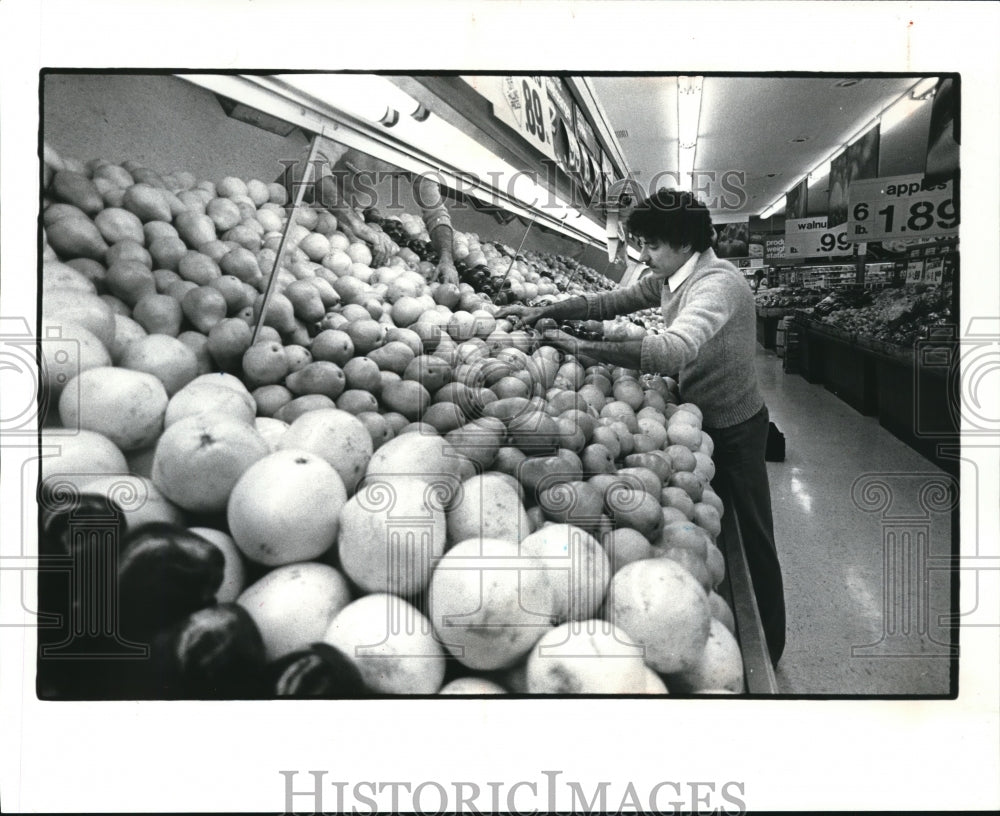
column 438, row 222
column 645, row 294
column 571, row 309
column 604, row 306
column 624, row 353
column 707, row 309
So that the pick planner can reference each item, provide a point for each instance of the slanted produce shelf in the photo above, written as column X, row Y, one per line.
column 737, row 590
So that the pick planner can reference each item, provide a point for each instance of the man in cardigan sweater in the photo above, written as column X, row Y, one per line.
column 709, row 345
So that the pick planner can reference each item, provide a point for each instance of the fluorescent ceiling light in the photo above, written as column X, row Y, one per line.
column 685, row 168
column 359, row 95
column 399, row 100
column 688, row 114
column 820, row 171
column 775, row 207
column 364, row 96
column 898, row 113
column 688, row 109
column 924, row 87
column 908, row 104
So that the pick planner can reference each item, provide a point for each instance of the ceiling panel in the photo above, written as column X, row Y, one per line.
column 748, row 125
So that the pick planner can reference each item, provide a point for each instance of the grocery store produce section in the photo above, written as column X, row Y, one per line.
column 333, row 508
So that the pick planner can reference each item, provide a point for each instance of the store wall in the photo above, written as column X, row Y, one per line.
column 163, row 122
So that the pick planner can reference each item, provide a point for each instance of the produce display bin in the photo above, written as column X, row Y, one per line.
column 767, row 328
column 915, row 405
column 850, row 374
column 811, row 348
column 909, row 395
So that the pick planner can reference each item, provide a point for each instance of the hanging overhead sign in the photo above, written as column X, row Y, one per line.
column 901, row 207
column 811, row 237
column 522, row 102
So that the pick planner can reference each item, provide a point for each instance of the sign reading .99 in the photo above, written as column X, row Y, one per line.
column 829, row 241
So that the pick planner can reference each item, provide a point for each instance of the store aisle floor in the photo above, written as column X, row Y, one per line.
column 863, row 536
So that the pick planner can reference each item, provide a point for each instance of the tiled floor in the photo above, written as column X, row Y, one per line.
column 863, row 537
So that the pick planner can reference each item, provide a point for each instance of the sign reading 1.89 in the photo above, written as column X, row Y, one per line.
column 900, row 207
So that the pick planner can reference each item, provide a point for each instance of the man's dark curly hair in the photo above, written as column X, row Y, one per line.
column 674, row 216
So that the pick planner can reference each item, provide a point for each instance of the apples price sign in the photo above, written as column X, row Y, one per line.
column 810, row 238
column 900, row 207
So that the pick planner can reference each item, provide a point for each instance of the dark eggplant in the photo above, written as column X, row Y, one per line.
column 164, row 575
column 80, row 650
column 216, row 653
column 319, row 672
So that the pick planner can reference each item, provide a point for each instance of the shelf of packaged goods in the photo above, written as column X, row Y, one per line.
column 737, row 590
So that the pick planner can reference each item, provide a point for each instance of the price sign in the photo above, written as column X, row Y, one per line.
column 810, row 237
column 934, row 269
column 521, row 102
column 559, row 97
column 900, row 207
column 914, row 271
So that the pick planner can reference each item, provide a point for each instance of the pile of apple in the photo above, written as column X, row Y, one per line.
column 900, row 315
column 797, row 297
column 568, row 274
column 385, row 451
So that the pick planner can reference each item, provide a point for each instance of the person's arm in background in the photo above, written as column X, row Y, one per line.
column 330, row 192
column 438, row 222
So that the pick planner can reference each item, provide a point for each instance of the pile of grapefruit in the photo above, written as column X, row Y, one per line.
column 408, row 495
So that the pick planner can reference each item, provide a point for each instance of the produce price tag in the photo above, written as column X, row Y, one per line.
column 914, row 271
column 523, row 103
column 900, row 207
column 934, row 270
column 810, row 237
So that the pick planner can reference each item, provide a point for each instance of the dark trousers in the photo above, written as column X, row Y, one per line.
column 741, row 475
